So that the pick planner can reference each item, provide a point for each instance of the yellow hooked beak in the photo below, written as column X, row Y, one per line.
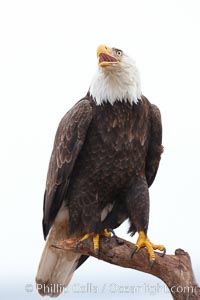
column 105, row 58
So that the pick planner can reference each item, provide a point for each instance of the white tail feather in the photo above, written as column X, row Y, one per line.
column 56, row 266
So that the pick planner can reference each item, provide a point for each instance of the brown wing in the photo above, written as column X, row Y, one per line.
column 69, row 139
column 155, row 147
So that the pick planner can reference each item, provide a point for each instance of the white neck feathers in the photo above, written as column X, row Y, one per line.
column 116, row 83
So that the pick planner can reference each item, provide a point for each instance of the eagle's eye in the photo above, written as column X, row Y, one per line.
column 119, row 52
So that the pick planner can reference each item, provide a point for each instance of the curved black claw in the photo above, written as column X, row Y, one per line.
column 163, row 253
column 84, row 243
column 112, row 231
column 152, row 263
column 77, row 245
column 97, row 252
column 134, row 250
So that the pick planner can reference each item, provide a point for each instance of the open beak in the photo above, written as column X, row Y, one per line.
column 105, row 58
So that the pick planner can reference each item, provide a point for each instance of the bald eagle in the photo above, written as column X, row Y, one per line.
column 105, row 157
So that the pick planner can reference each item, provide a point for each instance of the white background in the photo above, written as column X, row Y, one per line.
column 47, row 60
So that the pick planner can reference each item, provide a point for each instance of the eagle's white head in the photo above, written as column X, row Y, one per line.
column 117, row 77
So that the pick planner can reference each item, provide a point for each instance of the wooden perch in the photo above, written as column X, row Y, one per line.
column 175, row 270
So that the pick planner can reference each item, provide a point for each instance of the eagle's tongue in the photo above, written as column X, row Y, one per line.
column 106, row 57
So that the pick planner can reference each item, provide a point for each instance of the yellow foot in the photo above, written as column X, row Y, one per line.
column 95, row 237
column 142, row 242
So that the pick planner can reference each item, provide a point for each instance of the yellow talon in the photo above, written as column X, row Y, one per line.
column 106, row 233
column 86, row 236
column 96, row 243
column 96, row 238
column 143, row 241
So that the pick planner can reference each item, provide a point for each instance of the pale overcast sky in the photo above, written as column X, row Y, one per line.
column 47, row 60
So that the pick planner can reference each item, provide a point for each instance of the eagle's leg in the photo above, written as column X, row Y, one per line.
column 96, row 237
column 143, row 241
column 137, row 201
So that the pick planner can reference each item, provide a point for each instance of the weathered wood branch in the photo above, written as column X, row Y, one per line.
column 175, row 270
